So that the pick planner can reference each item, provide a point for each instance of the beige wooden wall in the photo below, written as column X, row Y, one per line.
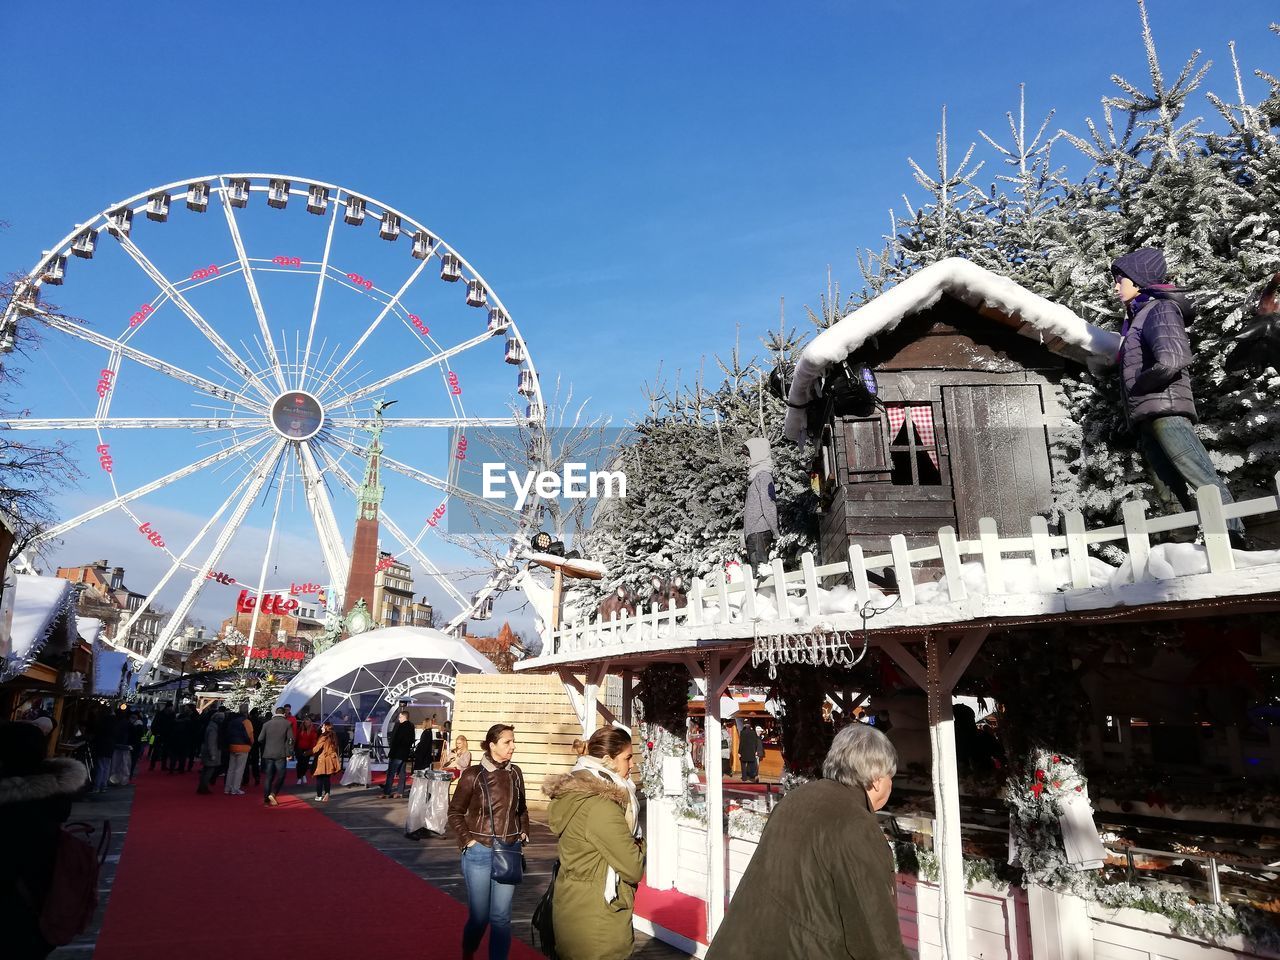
column 539, row 709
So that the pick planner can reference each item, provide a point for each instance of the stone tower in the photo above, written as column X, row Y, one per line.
column 364, row 549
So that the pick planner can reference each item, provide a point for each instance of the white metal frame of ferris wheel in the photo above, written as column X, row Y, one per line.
column 253, row 390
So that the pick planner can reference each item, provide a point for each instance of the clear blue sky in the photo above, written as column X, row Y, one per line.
column 636, row 180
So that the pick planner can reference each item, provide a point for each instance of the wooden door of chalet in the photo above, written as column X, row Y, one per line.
column 999, row 455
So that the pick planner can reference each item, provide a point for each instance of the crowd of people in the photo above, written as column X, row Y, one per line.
column 822, row 860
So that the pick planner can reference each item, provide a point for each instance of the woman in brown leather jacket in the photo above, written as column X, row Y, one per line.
column 489, row 802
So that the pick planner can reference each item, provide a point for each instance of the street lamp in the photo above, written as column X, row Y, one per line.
column 177, row 691
column 550, row 554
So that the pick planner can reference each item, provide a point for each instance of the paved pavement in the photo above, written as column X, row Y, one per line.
column 381, row 823
column 113, row 807
column 378, row 822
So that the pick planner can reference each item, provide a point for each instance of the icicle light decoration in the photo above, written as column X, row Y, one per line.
column 820, row 647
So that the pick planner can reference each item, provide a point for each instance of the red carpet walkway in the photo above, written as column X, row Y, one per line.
column 213, row 877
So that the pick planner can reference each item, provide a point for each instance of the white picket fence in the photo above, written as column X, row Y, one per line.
column 710, row 603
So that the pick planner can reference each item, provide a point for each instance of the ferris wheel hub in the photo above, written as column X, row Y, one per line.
column 297, row 415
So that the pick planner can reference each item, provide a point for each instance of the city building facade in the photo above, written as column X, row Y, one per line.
column 104, row 596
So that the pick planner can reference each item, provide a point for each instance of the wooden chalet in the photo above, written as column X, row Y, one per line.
column 968, row 367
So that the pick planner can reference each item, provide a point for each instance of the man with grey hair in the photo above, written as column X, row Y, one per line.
column 821, row 883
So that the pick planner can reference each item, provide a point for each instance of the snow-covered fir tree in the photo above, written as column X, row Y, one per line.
column 687, row 474
column 1206, row 192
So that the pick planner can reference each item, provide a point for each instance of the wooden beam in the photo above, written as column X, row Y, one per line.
column 695, row 667
column 913, row 668
column 958, row 660
column 577, row 690
column 715, row 797
column 573, row 690
column 839, row 697
column 725, row 677
column 946, row 804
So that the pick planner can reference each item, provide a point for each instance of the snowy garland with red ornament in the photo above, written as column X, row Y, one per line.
column 1038, row 799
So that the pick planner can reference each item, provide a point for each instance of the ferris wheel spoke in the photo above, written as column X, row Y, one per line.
column 262, row 574
column 315, row 307
column 201, row 324
column 327, row 529
column 179, row 563
column 432, row 570
column 70, row 328
column 431, row 361
column 132, row 423
column 269, row 344
column 444, row 486
column 367, row 423
column 387, row 308
column 406, row 541
column 256, row 480
column 243, row 447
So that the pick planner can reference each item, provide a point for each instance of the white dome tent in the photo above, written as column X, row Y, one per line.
column 368, row 675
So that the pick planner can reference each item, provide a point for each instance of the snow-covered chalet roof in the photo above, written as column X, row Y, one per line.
column 1061, row 330
column 43, row 619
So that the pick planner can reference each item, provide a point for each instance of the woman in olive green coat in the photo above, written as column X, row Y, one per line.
column 593, row 811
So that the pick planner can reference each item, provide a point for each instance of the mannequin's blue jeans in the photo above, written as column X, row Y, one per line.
column 488, row 903
column 1179, row 464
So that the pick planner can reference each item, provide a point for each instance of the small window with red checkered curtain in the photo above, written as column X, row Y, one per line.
column 913, row 446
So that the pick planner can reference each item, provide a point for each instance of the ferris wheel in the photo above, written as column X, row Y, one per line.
column 230, row 362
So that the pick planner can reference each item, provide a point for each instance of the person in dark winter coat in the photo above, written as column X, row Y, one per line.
column 35, row 800
column 277, row 746
column 750, row 752
column 239, row 741
column 161, row 737
column 821, row 884
column 103, row 743
column 399, row 750
column 194, row 737
column 1155, row 357
column 211, row 750
column 424, row 754
column 254, row 768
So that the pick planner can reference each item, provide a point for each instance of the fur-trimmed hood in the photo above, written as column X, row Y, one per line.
column 578, row 793
column 588, row 784
column 54, row 778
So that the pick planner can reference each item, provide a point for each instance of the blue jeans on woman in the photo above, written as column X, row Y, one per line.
column 394, row 768
column 1179, row 464
column 488, row 904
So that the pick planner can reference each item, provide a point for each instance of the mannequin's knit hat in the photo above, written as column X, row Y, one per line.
column 1144, row 266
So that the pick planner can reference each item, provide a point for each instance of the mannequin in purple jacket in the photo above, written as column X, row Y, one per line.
column 1154, row 358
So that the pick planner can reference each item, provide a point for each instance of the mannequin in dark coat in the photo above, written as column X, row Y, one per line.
column 1155, row 356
